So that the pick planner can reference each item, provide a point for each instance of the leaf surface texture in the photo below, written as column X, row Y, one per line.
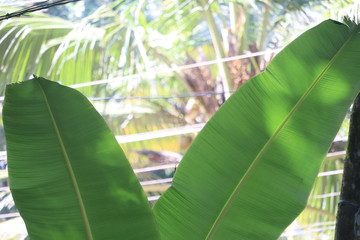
column 68, row 175
column 250, row 170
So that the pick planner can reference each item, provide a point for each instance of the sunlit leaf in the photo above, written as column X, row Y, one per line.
column 68, row 175
column 249, row 172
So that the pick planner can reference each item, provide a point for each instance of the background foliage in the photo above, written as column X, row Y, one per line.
column 130, row 44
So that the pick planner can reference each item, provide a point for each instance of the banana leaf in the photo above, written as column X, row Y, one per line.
column 68, row 175
column 249, row 172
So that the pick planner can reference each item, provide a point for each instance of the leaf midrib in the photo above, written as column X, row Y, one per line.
column 69, row 166
column 263, row 151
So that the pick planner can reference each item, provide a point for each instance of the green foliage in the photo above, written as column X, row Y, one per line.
column 74, row 181
column 122, row 38
column 247, row 175
column 256, row 160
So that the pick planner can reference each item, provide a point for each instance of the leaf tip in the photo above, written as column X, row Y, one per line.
column 336, row 22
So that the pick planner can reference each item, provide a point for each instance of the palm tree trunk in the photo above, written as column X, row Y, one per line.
column 264, row 25
column 219, row 49
column 348, row 216
column 263, row 33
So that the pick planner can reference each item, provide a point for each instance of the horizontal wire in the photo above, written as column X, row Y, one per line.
column 174, row 132
column 155, row 168
column 157, row 181
column 170, row 132
column 169, row 70
column 169, row 180
column 153, row 198
column 179, row 131
column 17, row 214
column 169, row 166
column 142, row 183
column 331, row 173
column 10, row 215
column 176, row 95
column 326, row 195
column 336, row 154
column 305, row 232
column 316, row 224
column 174, row 69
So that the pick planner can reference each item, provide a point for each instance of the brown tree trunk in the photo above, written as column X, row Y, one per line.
column 348, row 216
column 200, row 80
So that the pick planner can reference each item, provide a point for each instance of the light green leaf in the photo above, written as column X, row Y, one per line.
column 68, row 175
column 249, row 172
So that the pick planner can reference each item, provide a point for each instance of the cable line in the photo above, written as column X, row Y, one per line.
column 176, row 95
column 169, row 70
column 175, row 69
column 41, row 6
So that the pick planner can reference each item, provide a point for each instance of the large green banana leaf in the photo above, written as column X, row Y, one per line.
column 68, row 176
column 249, row 172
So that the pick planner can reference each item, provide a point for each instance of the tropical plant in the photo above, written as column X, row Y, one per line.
column 123, row 38
column 246, row 176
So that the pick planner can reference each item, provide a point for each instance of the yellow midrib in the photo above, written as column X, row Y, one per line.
column 257, row 159
column 68, row 164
